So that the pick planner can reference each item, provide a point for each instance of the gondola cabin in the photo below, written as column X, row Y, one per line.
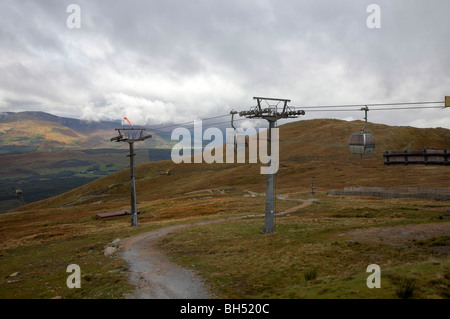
column 361, row 143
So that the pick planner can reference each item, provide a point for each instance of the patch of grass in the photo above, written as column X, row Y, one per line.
column 310, row 274
column 435, row 241
column 405, row 288
column 242, row 263
column 43, row 271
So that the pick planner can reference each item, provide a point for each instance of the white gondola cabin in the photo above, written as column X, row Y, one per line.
column 361, row 143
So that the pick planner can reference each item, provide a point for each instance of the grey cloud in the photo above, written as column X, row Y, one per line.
column 205, row 57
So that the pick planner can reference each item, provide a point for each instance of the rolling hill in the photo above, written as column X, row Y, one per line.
column 308, row 149
column 233, row 255
column 39, row 131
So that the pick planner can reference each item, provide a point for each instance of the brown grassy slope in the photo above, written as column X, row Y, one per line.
column 46, row 134
column 314, row 148
column 318, row 149
column 41, row 239
column 327, row 138
column 52, row 135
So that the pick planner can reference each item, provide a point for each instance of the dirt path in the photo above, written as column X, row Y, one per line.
column 156, row 277
column 303, row 204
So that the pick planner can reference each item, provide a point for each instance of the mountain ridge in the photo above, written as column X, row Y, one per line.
column 29, row 131
column 76, row 124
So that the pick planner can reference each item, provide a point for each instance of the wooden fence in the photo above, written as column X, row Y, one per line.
column 436, row 193
column 421, row 156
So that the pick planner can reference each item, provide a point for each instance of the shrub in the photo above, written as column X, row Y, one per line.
column 310, row 274
column 405, row 288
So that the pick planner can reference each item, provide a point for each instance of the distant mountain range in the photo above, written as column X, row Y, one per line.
column 48, row 154
column 75, row 124
column 24, row 132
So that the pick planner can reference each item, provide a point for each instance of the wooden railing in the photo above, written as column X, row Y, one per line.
column 421, row 156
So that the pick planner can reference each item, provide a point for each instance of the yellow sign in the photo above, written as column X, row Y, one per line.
column 447, row 101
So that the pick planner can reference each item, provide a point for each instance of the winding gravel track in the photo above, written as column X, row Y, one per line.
column 155, row 276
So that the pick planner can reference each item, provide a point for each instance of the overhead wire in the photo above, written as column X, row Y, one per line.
column 374, row 107
column 316, row 108
column 189, row 122
column 378, row 109
column 370, row 104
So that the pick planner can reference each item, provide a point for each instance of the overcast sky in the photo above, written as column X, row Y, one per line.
column 178, row 60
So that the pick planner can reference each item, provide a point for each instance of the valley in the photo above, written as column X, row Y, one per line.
column 45, row 155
